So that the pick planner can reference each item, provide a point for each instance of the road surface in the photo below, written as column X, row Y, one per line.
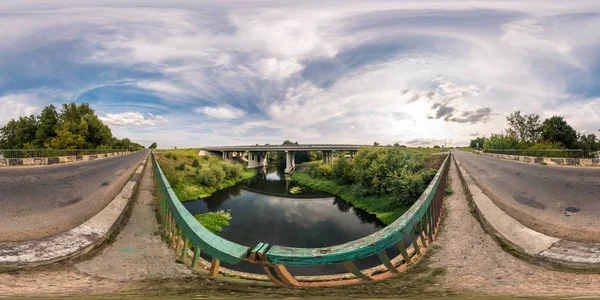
column 563, row 202
column 43, row 201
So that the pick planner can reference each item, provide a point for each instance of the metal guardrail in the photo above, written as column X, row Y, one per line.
column 557, row 153
column 412, row 233
column 30, row 153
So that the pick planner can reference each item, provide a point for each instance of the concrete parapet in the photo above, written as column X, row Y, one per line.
column 41, row 161
column 553, row 161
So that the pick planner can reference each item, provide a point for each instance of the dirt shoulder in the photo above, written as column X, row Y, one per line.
column 475, row 263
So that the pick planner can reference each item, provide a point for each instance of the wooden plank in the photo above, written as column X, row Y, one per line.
column 386, row 261
column 404, row 253
column 285, row 276
column 271, row 274
column 195, row 258
column 184, row 248
column 215, row 265
column 354, row 270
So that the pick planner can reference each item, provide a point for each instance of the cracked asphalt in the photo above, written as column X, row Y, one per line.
column 42, row 201
column 559, row 201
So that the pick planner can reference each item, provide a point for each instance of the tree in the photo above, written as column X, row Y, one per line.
column 67, row 140
column 375, row 144
column 526, row 128
column 46, row 129
column 153, row 146
column 477, row 143
column 500, row 141
column 557, row 130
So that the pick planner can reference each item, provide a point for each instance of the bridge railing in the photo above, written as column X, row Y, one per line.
column 412, row 234
column 30, row 153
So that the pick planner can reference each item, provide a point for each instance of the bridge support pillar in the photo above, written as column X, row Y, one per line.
column 290, row 161
column 257, row 159
column 327, row 157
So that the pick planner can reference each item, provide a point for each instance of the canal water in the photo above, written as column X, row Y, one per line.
column 271, row 209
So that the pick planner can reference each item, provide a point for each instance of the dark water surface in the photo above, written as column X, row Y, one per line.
column 264, row 210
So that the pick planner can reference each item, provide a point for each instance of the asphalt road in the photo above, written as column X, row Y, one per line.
column 42, row 201
column 558, row 201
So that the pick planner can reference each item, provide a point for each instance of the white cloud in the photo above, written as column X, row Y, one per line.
column 133, row 119
column 16, row 105
column 221, row 112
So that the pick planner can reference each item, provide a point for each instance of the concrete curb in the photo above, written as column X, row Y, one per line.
column 523, row 240
column 77, row 241
column 47, row 161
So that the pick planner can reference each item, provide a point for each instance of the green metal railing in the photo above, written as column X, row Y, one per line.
column 30, row 153
column 412, row 233
column 558, row 153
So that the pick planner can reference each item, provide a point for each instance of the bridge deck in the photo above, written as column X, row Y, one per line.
column 281, row 148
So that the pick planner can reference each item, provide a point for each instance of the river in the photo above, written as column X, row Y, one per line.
column 270, row 209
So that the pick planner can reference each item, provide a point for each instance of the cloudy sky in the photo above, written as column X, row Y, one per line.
column 196, row 73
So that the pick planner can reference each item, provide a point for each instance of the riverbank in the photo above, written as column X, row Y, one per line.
column 374, row 204
column 366, row 183
column 193, row 176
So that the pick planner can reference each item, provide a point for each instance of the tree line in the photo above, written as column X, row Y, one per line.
column 74, row 127
column 528, row 131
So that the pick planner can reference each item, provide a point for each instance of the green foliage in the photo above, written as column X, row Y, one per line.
column 322, row 171
column 557, row 130
column 477, row 143
column 67, row 140
column 525, row 128
column 500, row 141
column 341, row 171
column 195, row 163
column 382, row 181
column 75, row 127
column 190, row 182
column 214, row 221
column 153, row 146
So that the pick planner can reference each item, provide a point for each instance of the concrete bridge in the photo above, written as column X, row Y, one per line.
column 257, row 155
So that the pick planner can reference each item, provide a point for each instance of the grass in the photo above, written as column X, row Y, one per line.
column 428, row 150
column 214, row 221
column 187, row 151
column 184, row 180
column 377, row 205
column 468, row 149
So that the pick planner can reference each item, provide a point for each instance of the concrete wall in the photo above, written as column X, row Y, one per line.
column 39, row 161
column 586, row 162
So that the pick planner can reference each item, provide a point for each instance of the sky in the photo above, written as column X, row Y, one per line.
column 205, row 73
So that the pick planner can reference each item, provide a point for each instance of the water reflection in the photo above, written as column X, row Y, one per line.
column 264, row 210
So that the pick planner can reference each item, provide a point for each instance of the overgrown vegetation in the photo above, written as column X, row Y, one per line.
column 74, row 127
column 214, row 221
column 193, row 177
column 528, row 132
column 383, row 181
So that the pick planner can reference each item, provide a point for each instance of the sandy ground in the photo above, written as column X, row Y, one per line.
column 464, row 261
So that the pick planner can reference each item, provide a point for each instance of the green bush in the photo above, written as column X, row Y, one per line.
column 206, row 177
column 171, row 156
column 181, row 167
column 232, row 171
column 323, row 171
column 342, row 171
column 410, row 185
column 196, row 163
